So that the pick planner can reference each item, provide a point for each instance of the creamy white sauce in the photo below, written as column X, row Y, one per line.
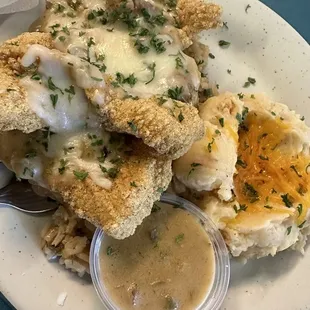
column 121, row 54
column 62, row 106
column 79, row 154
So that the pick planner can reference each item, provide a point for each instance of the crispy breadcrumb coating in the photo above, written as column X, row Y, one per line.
column 169, row 130
column 118, row 210
column 196, row 15
column 14, row 108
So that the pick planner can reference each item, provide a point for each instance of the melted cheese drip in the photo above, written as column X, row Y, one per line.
column 271, row 168
column 117, row 46
column 70, row 111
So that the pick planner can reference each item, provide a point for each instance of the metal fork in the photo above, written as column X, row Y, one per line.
column 20, row 195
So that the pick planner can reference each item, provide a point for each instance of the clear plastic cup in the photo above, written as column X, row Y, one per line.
column 219, row 286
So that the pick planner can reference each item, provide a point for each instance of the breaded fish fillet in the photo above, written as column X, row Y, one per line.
column 170, row 128
column 14, row 108
column 119, row 207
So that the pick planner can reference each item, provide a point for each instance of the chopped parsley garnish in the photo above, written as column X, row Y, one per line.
column 252, row 96
column 242, row 207
column 267, row 207
column 52, row 86
column 160, row 190
column 200, row 62
column 179, row 63
column 62, row 38
column 70, row 90
column 239, row 118
column 250, row 192
column 288, row 230
column 112, row 172
column 131, row 80
column 36, row 76
column 155, row 208
column 240, row 95
column 66, row 30
column 246, row 8
column 208, row 92
column 63, row 164
column 81, row 33
column 250, row 81
column 151, row 67
column 224, row 44
column 262, row 157
column 81, row 175
column 109, row 250
column 241, row 163
column 54, row 99
column 211, row 56
column 59, row 8
column 133, row 184
column 273, row 113
column 96, row 79
column 299, row 209
column 228, row 71
column 158, row 44
column 142, row 49
column 210, row 145
column 91, row 42
column 225, row 25
column 287, row 201
column 302, row 118
column 302, row 224
column 221, row 121
column 180, row 117
column 132, row 126
column 179, row 238
column 296, row 171
column 193, row 166
column 175, row 93
column 217, row 132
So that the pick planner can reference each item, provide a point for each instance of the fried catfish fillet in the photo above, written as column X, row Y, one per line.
column 197, row 15
column 14, row 107
column 170, row 128
column 129, row 182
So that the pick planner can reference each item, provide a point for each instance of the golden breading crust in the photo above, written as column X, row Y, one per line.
column 196, row 15
column 117, row 210
column 169, row 134
column 14, row 108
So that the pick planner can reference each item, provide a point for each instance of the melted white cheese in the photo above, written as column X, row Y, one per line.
column 61, row 109
column 121, row 55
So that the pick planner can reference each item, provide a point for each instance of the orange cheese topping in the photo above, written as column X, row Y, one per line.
column 268, row 178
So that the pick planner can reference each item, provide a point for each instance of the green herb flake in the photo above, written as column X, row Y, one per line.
column 252, row 96
column 160, row 190
column 36, row 76
column 96, row 79
column 109, row 250
column 62, row 38
column 155, row 208
column 288, row 230
column 151, row 67
column 81, row 33
column 133, row 184
column 247, row 8
column 70, row 90
column 240, row 95
column 175, row 93
column 262, row 157
column 267, row 207
column 250, row 192
column 132, row 126
column 225, row 25
column 221, row 121
column 224, row 44
column 228, row 71
column 180, row 117
column 62, row 166
column 211, row 56
column 81, row 175
column 287, row 201
column 54, row 99
column 179, row 238
column 158, row 44
column 299, row 209
column 210, row 145
column 179, row 63
column 142, row 49
column 302, row 224
column 66, row 30
column 241, row 163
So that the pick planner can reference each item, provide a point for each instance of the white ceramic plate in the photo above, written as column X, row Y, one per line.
column 263, row 46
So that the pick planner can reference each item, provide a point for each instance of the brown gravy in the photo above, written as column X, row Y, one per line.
column 167, row 264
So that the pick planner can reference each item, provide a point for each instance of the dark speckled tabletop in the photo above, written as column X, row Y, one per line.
column 295, row 12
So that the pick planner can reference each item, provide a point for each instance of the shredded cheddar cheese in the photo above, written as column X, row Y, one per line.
column 271, row 179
